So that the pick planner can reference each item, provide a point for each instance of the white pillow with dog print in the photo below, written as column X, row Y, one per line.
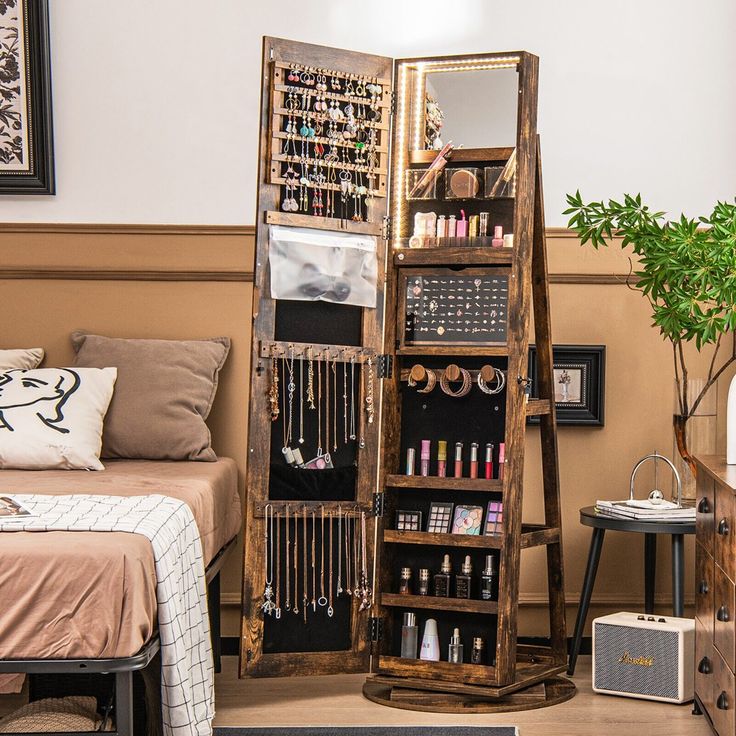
column 52, row 417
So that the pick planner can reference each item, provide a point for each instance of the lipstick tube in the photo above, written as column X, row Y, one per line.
column 474, row 460
column 501, row 459
column 410, row 454
column 489, row 461
column 442, row 459
column 458, row 459
column 424, row 458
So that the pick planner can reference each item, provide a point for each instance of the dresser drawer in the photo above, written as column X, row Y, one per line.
column 724, row 689
column 705, row 506
column 704, row 589
column 724, row 612
column 725, row 530
column 704, row 668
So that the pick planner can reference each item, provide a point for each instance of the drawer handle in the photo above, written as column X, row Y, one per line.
column 722, row 614
column 723, row 527
column 704, row 666
column 722, row 702
column 703, row 587
column 704, row 506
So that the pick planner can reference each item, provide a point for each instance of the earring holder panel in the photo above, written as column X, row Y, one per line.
column 320, row 351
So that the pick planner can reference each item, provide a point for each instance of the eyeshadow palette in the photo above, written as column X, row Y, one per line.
column 468, row 519
column 440, row 517
column 494, row 518
column 408, row 521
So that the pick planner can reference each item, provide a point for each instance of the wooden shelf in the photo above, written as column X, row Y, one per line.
column 462, row 155
column 536, row 407
column 322, row 223
column 476, row 674
column 444, row 484
column 481, row 351
column 532, row 535
column 452, row 251
column 433, row 603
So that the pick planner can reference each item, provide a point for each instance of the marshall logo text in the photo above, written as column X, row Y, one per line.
column 626, row 658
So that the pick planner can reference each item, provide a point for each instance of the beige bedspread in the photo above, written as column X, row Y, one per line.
column 91, row 594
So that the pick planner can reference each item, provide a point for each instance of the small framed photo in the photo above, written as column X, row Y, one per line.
column 468, row 519
column 494, row 519
column 408, row 521
column 440, row 517
column 578, row 383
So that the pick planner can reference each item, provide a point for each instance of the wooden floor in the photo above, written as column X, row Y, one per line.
column 337, row 700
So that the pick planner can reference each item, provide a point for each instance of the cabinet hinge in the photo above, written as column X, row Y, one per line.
column 377, row 509
column 386, row 227
column 376, row 628
column 393, row 101
column 385, row 365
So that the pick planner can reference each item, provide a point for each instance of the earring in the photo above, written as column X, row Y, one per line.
column 457, row 372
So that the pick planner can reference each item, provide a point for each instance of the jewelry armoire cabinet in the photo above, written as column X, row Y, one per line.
column 304, row 526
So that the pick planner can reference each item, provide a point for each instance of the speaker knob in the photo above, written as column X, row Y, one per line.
column 722, row 702
column 722, row 614
column 703, row 587
column 704, row 506
column 704, row 666
column 723, row 527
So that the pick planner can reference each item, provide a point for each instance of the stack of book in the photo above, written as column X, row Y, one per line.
column 645, row 510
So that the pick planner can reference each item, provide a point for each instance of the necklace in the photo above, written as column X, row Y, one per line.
column 295, row 609
column 345, row 401
column 267, row 606
column 301, row 402
column 287, row 605
column 348, row 552
column 305, row 599
column 327, row 404
column 314, row 563
column 334, row 406
column 273, row 391
column 364, row 588
column 277, row 609
column 310, row 379
column 369, row 407
column 356, row 556
column 322, row 600
column 352, row 397
column 330, row 609
column 319, row 408
column 339, row 550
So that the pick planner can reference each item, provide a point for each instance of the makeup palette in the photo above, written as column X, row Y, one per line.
column 440, row 517
column 409, row 521
column 494, row 518
column 468, row 519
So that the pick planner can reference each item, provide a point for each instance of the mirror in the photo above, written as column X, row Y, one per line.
column 475, row 109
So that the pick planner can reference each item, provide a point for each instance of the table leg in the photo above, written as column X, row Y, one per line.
column 594, row 556
column 650, row 570
column 678, row 575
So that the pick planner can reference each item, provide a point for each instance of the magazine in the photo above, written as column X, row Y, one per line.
column 12, row 509
column 665, row 511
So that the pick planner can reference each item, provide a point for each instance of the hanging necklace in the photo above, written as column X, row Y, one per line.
column 339, row 550
column 330, row 609
column 267, row 606
column 273, row 391
column 322, row 600
column 277, row 609
column 334, row 406
column 348, row 552
column 287, row 560
column 369, row 406
column 301, row 402
column 365, row 589
column 352, row 397
column 296, row 564
column 356, row 555
column 314, row 563
column 319, row 407
column 310, row 380
column 345, row 400
column 327, row 405
column 305, row 599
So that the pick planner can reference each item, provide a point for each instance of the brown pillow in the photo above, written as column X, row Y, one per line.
column 163, row 394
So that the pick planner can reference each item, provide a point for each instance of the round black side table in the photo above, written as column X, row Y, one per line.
column 600, row 523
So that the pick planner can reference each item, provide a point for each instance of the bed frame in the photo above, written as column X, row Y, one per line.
column 123, row 667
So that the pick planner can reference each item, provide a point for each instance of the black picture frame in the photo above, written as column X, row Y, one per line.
column 586, row 406
column 26, row 153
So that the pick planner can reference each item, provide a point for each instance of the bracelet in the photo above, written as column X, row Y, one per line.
column 500, row 382
column 464, row 390
column 419, row 373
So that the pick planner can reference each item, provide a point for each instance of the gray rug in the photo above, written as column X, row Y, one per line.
column 372, row 731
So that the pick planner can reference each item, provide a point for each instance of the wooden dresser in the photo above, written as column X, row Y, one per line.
column 715, row 593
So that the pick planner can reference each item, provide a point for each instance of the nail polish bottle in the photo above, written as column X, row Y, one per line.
column 423, row 581
column 489, row 580
column 424, row 458
column 442, row 579
column 501, row 459
column 497, row 241
column 508, row 240
column 405, row 583
column 441, row 227
column 442, row 459
column 489, row 461
column 458, row 459
column 463, row 580
column 410, row 453
column 430, row 642
column 409, row 636
column 451, row 226
column 455, row 653
column 476, row 653
column 473, row 459
column 461, row 228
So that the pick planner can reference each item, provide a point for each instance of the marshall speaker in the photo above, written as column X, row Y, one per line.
column 643, row 656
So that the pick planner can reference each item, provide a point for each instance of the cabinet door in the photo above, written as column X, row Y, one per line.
column 725, row 527
column 724, row 698
column 704, row 589
column 704, row 668
column 705, row 508
column 723, row 624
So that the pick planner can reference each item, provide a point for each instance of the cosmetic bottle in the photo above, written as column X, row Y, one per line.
column 461, row 228
column 508, row 240
column 441, row 227
column 497, row 241
column 501, row 459
column 409, row 636
column 442, row 459
column 442, row 579
column 451, row 226
column 424, row 458
column 458, row 459
column 473, row 222
column 455, row 653
column 489, row 580
column 410, row 453
column 463, row 580
column 483, row 224
column 423, row 581
column 489, row 461
column 476, row 653
column 405, row 583
column 430, row 642
column 473, row 459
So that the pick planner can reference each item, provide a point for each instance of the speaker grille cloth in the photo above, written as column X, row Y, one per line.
column 659, row 680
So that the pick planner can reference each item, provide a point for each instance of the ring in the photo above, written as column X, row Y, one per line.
column 463, row 390
column 322, row 601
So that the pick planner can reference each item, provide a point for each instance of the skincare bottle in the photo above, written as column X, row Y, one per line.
column 441, row 227
column 442, row 579
column 458, row 459
column 476, row 653
column 473, row 222
column 464, row 579
column 461, row 228
column 489, row 461
column 405, row 583
column 442, row 458
column 508, row 240
column 497, row 241
column 483, row 225
column 409, row 636
column 424, row 458
column 430, row 642
column 473, row 459
column 455, row 653
column 423, row 581
column 451, row 226
column 489, row 580
column 501, row 459
column 410, row 453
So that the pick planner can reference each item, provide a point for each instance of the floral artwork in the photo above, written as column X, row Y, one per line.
column 14, row 110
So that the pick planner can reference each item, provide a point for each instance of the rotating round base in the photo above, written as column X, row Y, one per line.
column 553, row 691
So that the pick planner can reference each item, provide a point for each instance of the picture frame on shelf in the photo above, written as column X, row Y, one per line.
column 579, row 381
column 26, row 128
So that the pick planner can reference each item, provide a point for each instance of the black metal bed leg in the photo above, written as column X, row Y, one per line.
column 124, row 703
column 213, row 606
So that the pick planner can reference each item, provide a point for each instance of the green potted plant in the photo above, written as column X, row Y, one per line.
column 686, row 269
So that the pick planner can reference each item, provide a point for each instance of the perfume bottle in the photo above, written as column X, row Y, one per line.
column 430, row 642
column 405, row 583
column 409, row 636
column 463, row 580
column 455, row 653
column 424, row 458
column 442, row 458
column 489, row 580
column 442, row 579
column 451, row 226
column 476, row 653
column 441, row 227
column 423, row 581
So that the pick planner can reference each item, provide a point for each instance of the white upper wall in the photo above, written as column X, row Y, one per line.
column 156, row 103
